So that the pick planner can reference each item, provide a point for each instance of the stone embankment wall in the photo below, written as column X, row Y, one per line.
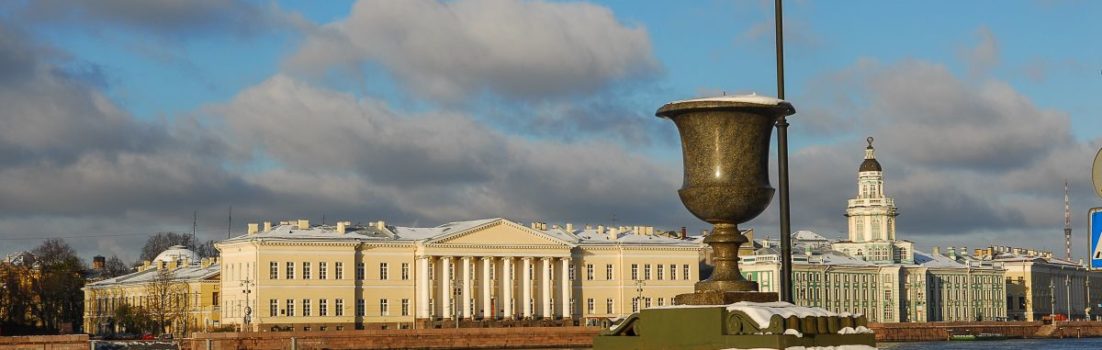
column 902, row 332
column 45, row 342
column 466, row 338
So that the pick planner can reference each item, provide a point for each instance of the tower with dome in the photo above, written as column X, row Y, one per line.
column 871, row 218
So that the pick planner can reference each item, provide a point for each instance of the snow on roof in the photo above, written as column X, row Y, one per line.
column 762, row 312
column 187, row 273
column 935, row 260
column 804, row 235
column 176, row 253
column 409, row 234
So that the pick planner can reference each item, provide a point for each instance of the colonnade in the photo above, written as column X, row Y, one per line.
column 447, row 287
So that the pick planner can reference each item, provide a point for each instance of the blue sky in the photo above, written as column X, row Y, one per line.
column 421, row 112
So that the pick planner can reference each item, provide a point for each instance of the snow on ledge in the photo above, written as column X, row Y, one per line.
column 762, row 312
column 751, row 98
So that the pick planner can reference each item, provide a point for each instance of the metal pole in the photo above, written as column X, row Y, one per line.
column 782, row 170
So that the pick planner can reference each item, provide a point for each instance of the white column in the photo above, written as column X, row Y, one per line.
column 545, row 282
column 423, row 288
column 446, row 287
column 487, row 308
column 466, row 287
column 566, row 288
column 507, row 286
column 526, row 286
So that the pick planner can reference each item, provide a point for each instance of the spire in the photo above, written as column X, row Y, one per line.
column 1067, row 223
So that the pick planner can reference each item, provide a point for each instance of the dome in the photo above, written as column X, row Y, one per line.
column 176, row 253
column 870, row 165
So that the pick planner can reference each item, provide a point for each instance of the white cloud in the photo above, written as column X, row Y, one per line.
column 446, row 51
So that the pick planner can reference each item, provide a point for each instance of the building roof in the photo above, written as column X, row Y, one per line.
column 870, row 165
column 384, row 233
column 190, row 272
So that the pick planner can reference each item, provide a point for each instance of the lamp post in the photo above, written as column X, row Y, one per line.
column 639, row 284
column 782, row 168
column 247, row 289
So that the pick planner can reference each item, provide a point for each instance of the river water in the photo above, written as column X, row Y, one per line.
column 1011, row 344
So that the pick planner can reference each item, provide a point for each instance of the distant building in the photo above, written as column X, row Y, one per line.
column 198, row 279
column 1039, row 284
column 874, row 274
column 490, row 272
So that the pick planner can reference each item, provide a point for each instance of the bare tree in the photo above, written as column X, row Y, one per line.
column 168, row 299
column 115, row 267
column 162, row 241
column 58, row 285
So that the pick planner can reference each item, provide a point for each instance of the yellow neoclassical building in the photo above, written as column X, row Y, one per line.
column 488, row 272
column 190, row 288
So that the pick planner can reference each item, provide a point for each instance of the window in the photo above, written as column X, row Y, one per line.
column 646, row 302
column 661, row 301
column 338, row 268
column 290, row 307
column 384, row 307
column 531, row 271
column 323, row 270
column 608, row 272
column 634, row 271
column 360, row 271
column 338, row 307
column 305, row 270
column 588, row 272
column 290, row 270
column 405, row 271
column 635, row 305
column 685, row 272
column 306, row 307
column 273, row 307
column 589, row 306
column 383, row 271
column 646, row 272
column 660, row 269
column 572, row 272
column 273, row 270
column 405, row 307
column 673, row 272
column 608, row 306
column 360, row 308
column 323, row 307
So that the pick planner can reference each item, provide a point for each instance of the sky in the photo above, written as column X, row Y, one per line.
column 123, row 118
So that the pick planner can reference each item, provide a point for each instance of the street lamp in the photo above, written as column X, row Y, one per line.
column 247, row 285
column 456, row 306
column 639, row 284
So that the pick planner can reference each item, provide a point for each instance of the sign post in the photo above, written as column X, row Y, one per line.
column 1094, row 220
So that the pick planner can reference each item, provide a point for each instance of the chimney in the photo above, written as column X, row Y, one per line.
column 267, row 226
column 937, row 250
column 683, row 232
column 543, row 226
column 380, row 225
column 204, row 263
column 601, row 229
column 284, row 222
column 145, row 265
column 303, row 224
column 570, row 227
column 588, row 227
column 99, row 262
column 253, row 228
column 963, row 251
column 952, row 252
column 535, row 225
column 340, row 227
column 613, row 233
column 161, row 265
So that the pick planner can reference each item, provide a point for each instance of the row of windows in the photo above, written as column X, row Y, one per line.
column 338, row 270
column 647, row 272
column 323, row 307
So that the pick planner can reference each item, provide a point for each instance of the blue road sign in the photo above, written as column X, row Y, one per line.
column 1094, row 220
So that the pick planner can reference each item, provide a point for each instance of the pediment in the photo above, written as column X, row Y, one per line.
column 499, row 232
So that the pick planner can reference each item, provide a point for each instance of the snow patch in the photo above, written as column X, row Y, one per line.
column 762, row 312
column 751, row 98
